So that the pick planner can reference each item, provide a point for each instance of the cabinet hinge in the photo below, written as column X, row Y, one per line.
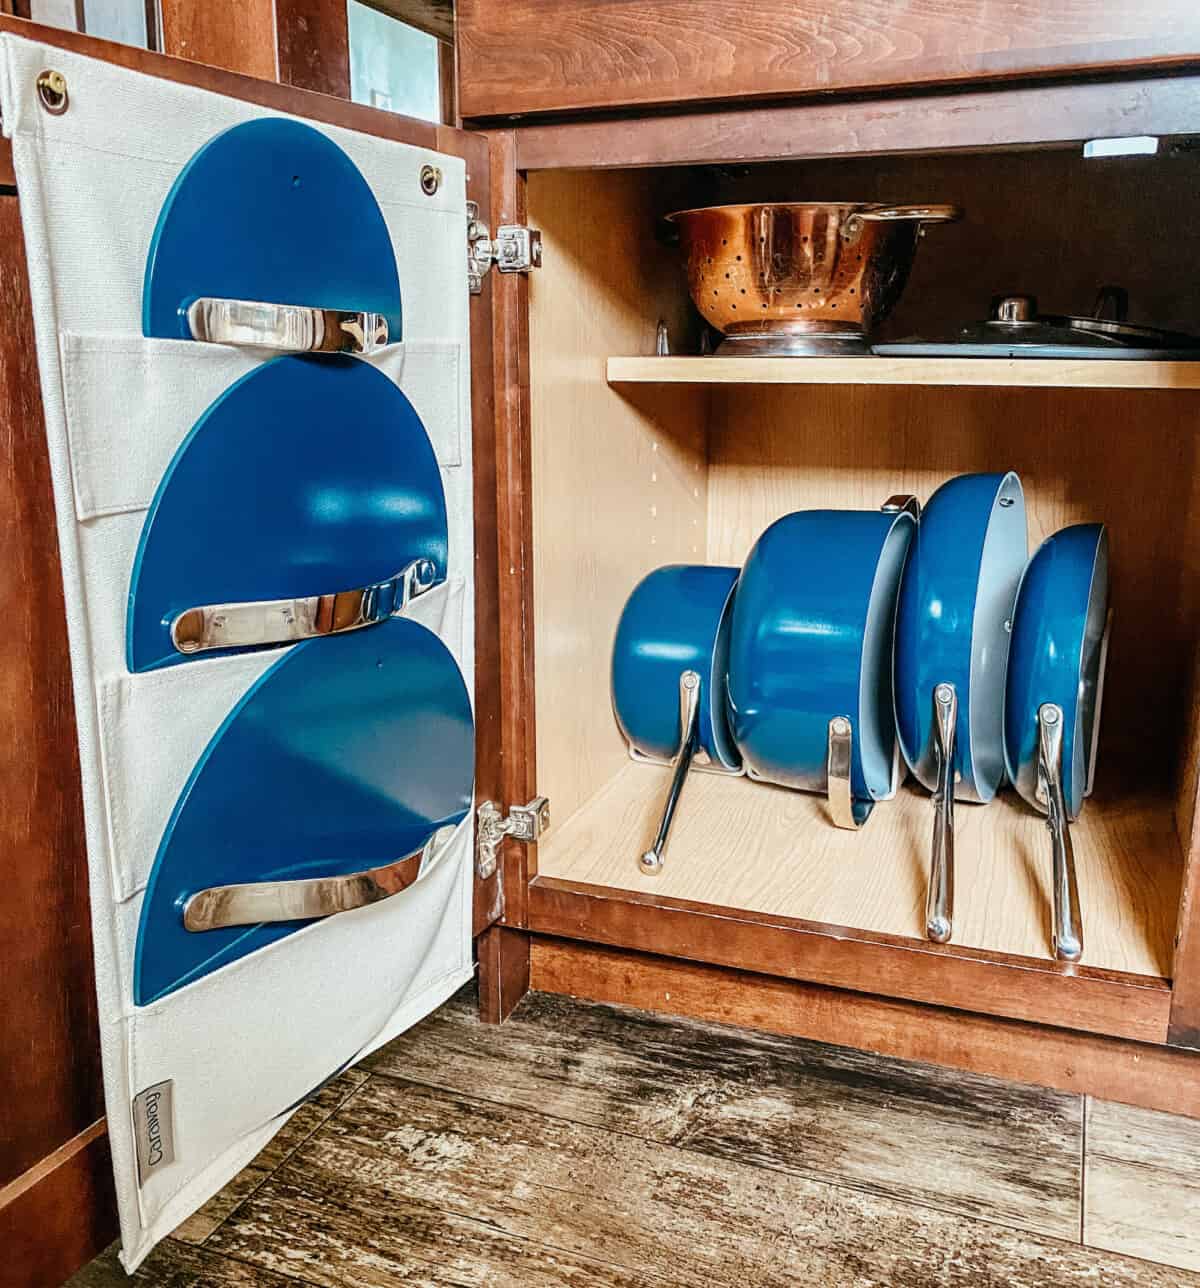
column 522, row 823
column 514, row 249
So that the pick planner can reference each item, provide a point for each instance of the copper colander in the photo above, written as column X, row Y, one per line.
column 813, row 277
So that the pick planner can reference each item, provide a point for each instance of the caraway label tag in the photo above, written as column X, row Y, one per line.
column 154, row 1128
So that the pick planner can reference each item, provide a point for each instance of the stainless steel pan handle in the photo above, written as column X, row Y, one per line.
column 292, row 328
column 939, row 910
column 651, row 862
column 284, row 621
column 256, row 902
column 1068, row 923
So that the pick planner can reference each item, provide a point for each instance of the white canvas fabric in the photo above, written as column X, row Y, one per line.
column 241, row 1046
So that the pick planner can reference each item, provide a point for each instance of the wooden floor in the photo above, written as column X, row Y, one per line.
column 593, row 1146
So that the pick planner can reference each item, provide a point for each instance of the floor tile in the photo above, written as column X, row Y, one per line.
column 1142, row 1183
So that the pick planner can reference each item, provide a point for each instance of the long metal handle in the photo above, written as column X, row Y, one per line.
column 256, row 902
column 939, row 909
column 1068, row 923
column 651, row 862
column 284, row 621
column 923, row 214
column 293, row 328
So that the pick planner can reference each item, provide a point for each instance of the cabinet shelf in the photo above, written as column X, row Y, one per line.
column 1057, row 373
column 745, row 846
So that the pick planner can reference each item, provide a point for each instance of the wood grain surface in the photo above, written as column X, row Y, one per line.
column 1043, row 116
column 313, row 42
column 779, row 1103
column 1023, row 373
column 1142, row 1191
column 528, row 56
column 1154, row 1077
column 601, row 1147
column 618, row 477
column 203, row 33
column 49, row 1055
column 744, row 845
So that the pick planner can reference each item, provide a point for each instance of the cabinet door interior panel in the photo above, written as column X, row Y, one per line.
column 560, row 55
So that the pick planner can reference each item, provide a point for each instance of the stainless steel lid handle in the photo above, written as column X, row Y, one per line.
column 651, row 862
column 939, row 908
column 1068, row 923
column 292, row 328
column 843, row 808
column 284, row 621
column 257, row 902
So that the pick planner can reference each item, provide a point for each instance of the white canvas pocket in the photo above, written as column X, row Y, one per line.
column 131, row 401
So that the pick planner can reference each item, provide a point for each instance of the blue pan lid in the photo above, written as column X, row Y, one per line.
column 349, row 753
column 1057, row 656
column 953, row 625
column 309, row 476
column 271, row 211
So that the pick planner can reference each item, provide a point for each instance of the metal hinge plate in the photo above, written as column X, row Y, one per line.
column 514, row 249
column 522, row 823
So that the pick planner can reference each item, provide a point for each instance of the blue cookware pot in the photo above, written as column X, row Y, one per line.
column 956, row 604
column 952, row 639
column 669, row 663
column 810, row 655
column 1055, row 681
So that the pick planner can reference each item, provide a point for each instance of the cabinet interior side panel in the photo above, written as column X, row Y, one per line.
column 619, row 478
column 1128, row 458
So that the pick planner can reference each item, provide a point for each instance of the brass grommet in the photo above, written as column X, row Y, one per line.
column 52, row 92
column 431, row 179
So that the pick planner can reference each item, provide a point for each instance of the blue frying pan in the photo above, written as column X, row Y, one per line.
column 343, row 761
column 1055, row 680
column 952, row 639
column 668, row 677
column 810, row 657
column 270, row 211
column 310, row 476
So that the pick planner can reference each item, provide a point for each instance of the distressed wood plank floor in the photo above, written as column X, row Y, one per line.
column 592, row 1146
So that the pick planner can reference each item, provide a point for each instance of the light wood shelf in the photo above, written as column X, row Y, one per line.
column 1010, row 372
column 755, row 848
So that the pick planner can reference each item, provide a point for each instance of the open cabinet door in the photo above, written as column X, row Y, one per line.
column 271, row 579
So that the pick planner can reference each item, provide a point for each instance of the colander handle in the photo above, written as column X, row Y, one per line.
column 922, row 214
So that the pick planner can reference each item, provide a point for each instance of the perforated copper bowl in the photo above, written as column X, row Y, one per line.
column 800, row 278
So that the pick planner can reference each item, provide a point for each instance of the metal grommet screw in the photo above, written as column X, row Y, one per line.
column 431, row 179
column 52, row 92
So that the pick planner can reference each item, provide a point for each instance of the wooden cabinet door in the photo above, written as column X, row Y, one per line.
column 126, row 91
column 536, row 56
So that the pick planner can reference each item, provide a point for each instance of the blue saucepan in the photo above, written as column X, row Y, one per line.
column 810, row 655
column 1055, row 680
column 668, row 677
column 952, row 640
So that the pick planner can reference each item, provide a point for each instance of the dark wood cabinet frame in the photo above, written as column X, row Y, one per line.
column 1113, row 1035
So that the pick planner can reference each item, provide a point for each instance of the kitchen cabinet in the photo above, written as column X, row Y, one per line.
column 595, row 460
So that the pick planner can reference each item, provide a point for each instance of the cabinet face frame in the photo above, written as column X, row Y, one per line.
column 1086, row 1000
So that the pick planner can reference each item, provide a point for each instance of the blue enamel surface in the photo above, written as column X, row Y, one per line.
column 969, row 549
column 274, row 211
column 796, row 659
column 348, row 753
column 308, row 476
column 677, row 619
column 1058, row 625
